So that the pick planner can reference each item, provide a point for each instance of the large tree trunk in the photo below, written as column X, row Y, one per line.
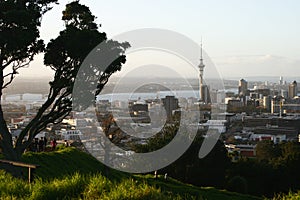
column 6, row 139
column 6, row 143
column 7, row 148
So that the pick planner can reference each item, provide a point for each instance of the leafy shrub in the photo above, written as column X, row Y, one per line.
column 238, row 184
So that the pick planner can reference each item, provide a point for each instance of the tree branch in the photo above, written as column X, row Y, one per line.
column 16, row 65
column 36, row 119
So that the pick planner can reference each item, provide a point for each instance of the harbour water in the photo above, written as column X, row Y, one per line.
column 119, row 96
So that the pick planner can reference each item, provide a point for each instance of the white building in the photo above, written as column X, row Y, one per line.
column 216, row 124
column 70, row 134
column 275, row 138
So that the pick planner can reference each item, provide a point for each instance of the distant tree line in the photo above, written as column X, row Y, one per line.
column 274, row 170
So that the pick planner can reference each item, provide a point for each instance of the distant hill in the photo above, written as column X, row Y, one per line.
column 273, row 79
column 40, row 85
column 28, row 85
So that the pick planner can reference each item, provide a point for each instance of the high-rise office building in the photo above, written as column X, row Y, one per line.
column 267, row 102
column 170, row 103
column 284, row 93
column 281, row 80
column 293, row 90
column 205, row 94
column 243, row 87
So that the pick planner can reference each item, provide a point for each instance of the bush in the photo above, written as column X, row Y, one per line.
column 238, row 184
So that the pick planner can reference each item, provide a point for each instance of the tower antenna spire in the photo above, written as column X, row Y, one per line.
column 201, row 58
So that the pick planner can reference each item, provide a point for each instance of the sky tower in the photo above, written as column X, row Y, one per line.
column 201, row 69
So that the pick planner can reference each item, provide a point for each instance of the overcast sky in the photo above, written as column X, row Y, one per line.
column 242, row 37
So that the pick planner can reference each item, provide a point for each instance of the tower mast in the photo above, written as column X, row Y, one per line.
column 201, row 69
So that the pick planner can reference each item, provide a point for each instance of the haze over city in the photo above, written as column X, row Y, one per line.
column 242, row 38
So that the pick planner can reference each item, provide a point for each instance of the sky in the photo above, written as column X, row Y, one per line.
column 242, row 38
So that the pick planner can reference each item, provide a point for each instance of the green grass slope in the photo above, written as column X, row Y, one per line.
column 63, row 162
column 72, row 174
column 289, row 196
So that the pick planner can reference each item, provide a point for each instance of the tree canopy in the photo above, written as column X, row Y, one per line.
column 19, row 35
column 19, row 43
column 64, row 54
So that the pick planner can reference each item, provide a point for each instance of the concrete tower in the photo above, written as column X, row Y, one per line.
column 201, row 69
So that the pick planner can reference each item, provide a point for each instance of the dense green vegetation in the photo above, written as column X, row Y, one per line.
column 188, row 168
column 275, row 170
column 289, row 196
column 70, row 173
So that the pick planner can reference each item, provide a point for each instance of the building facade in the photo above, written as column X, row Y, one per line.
column 243, row 87
column 293, row 90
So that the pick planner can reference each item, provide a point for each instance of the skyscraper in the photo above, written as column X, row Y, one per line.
column 293, row 90
column 170, row 103
column 281, row 80
column 243, row 87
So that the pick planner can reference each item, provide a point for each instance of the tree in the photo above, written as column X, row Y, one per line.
column 288, row 165
column 208, row 171
column 19, row 43
column 276, row 169
column 267, row 150
column 237, row 184
column 290, row 149
column 65, row 54
column 189, row 168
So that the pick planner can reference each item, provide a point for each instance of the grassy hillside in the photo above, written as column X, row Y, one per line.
column 71, row 174
column 289, row 196
column 67, row 161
